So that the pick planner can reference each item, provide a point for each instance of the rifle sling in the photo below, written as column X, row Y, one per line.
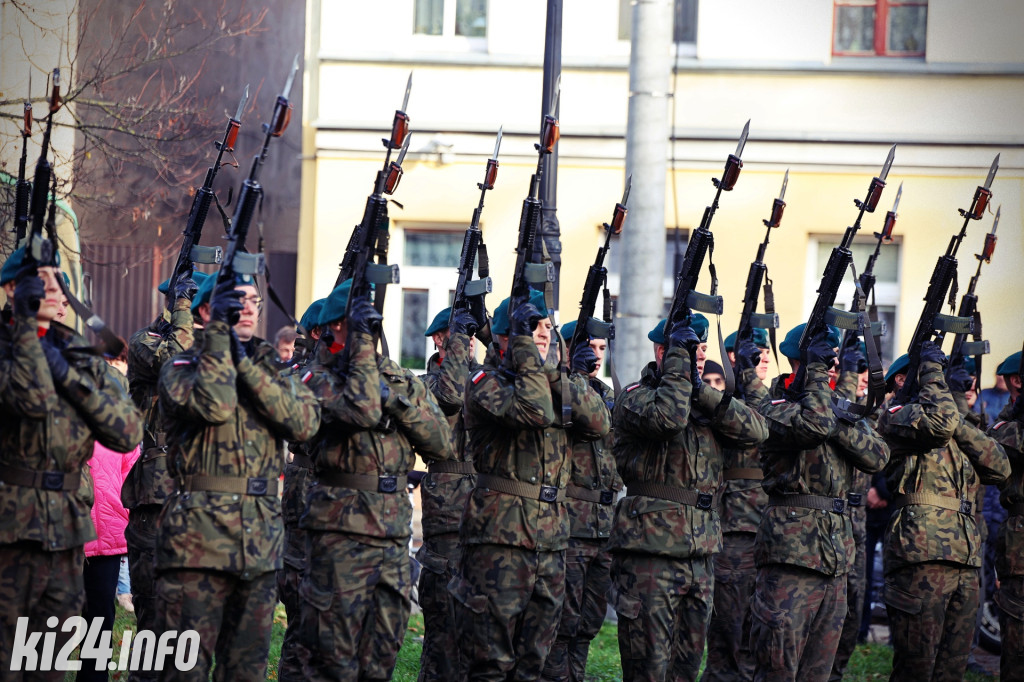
column 111, row 344
column 769, row 309
column 730, row 377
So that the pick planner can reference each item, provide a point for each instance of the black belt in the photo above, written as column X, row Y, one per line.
column 43, row 480
column 673, row 493
column 836, row 505
column 742, row 474
column 543, row 493
column 933, row 500
column 855, row 499
column 590, row 495
column 239, row 485
column 365, row 482
column 451, row 467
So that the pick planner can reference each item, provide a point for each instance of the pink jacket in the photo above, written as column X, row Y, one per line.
column 109, row 469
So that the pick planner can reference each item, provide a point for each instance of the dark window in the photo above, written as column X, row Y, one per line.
column 893, row 28
column 414, row 321
column 469, row 18
column 433, row 249
column 684, row 20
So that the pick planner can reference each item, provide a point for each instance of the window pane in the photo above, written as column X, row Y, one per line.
column 907, row 29
column 471, row 18
column 433, row 249
column 625, row 19
column 414, row 323
column 885, row 267
column 428, row 17
column 854, row 30
column 685, row 21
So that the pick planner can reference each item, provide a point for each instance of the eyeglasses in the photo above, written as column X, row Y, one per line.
column 254, row 301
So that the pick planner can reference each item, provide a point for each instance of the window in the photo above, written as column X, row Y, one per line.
column 894, row 28
column 463, row 18
column 684, row 20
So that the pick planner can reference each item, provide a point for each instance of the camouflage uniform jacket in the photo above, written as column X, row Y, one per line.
column 743, row 499
column 227, row 420
column 360, row 435
column 666, row 435
column 48, row 427
column 1009, row 433
column 148, row 481
column 810, row 452
column 514, row 431
column 935, row 450
column 444, row 495
column 593, row 468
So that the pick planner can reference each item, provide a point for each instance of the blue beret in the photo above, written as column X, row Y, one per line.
column 440, row 322
column 760, row 339
column 12, row 265
column 698, row 323
column 500, row 321
column 1010, row 365
column 569, row 328
column 311, row 318
column 657, row 335
column 970, row 365
column 197, row 277
column 206, row 287
column 898, row 366
column 790, row 346
column 334, row 305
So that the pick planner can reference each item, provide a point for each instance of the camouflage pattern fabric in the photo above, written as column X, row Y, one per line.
column 729, row 655
column 506, row 630
column 232, row 616
column 441, row 658
column 594, row 468
column 796, row 617
column 355, row 606
column 140, row 534
column 297, row 481
column 931, row 608
column 664, row 605
column 1010, row 599
column 855, row 584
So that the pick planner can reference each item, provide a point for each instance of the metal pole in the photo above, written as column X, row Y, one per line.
column 549, row 227
column 643, row 243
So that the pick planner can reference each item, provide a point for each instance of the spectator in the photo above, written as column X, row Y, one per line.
column 124, row 587
column 713, row 375
column 993, row 399
column 284, row 343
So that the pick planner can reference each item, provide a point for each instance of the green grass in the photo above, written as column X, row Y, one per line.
column 870, row 662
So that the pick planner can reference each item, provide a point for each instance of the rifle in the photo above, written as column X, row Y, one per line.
column 701, row 244
column 236, row 259
column 472, row 244
column 191, row 252
column 23, row 190
column 944, row 275
column 755, row 275
column 841, row 258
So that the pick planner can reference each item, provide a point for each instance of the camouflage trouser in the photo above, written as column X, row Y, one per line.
column 855, row 586
column 796, row 616
column 355, row 606
column 729, row 657
column 233, row 617
column 141, row 538
column 509, row 602
column 38, row 585
column 587, row 578
column 293, row 653
column 1010, row 599
column 441, row 659
column 931, row 609
column 664, row 606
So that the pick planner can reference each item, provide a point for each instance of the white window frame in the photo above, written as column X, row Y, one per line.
column 447, row 40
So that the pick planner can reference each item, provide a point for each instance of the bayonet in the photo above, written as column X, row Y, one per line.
column 888, row 164
column 996, row 223
column 241, row 104
column 625, row 194
column 785, row 182
column 291, row 77
column 992, row 172
column 497, row 145
column 408, row 89
column 405, row 149
column 899, row 193
column 743, row 139
column 27, row 116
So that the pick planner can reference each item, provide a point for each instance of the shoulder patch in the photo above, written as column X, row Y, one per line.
column 478, row 377
column 155, row 335
column 895, row 408
column 307, row 376
column 181, row 361
column 997, row 425
column 778, row 401
column 630, row 388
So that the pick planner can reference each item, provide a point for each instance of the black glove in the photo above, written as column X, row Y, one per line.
column 683, row 336
column 385, row 393
column 695, row 376
column 237, row 348
column 930, row 352
column 55, row 359
column 959, row 379
column 851, row 358
column 584, row 359
column 524, row 319
column 28, row 292
column 464, row 323
column 748, row 356
column 364, row 318
column 821, row 350
column 226, row 302
column 185, row 287
column 479, row 310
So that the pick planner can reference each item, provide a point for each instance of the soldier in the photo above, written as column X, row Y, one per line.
column 148, row 484
column 932, row 545
column 515, row 527
column 444, row 490
column 804, row 545
column 1008, row 370
column 376, row 417
column 1009, row 433
column 669, row 431
column 743, row 501
column 592, row 491
column 56, row 397
column 220, row 538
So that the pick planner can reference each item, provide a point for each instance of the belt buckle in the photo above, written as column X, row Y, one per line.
column 387, row 484
column 256, row 486
column 855, row 499
column 704, row 500
column 838, row 505
column 52, row 480
column 607, row 496
column 966, row 507
column 548, row 493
